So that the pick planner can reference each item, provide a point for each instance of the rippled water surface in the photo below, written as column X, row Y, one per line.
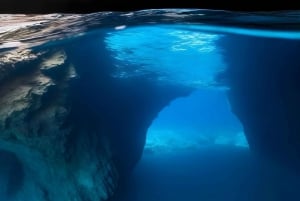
column 180, row 34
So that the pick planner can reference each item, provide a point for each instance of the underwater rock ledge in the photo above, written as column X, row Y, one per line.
column 73, row 130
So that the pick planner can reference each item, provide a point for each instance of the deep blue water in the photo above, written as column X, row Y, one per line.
column 214, row 173
column 196, row 149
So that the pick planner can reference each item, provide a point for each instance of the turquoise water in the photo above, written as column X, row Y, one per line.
column 196, row 147
column 177, row 54
column 185, row 55
column 202, row 119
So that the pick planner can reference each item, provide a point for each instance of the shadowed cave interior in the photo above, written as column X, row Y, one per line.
column 76, row 129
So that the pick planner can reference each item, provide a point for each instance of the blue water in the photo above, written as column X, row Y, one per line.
column 177, row 54
column 216, row 173
column 196, row 148
column 202, row 119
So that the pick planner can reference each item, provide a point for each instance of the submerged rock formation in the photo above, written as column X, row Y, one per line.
column 263, row 75
column 34, row 106
column 69, row 129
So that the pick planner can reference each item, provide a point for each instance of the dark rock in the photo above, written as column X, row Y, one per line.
column 34, row 106
column 264, row 75
column 11, row 175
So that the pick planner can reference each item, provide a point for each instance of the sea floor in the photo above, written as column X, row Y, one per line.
column 212, row 173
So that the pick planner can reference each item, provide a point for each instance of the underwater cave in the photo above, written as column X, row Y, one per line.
column 202, row 119
column 186, row 144
column 149, row 105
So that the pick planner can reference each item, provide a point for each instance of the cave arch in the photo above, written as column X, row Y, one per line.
column 203, row 118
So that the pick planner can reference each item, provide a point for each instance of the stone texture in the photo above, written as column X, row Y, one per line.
column 74, row 129
column 33, row 106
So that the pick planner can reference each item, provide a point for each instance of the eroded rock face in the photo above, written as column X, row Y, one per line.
column 74, row 129
column 34, row 104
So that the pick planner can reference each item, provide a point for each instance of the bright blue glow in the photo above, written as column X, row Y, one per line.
column 283, row 34
column 180, row 54
column 202, row 119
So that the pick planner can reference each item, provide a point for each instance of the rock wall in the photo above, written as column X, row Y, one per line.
column 72, row 129
column 34, row 104
column 264, row 74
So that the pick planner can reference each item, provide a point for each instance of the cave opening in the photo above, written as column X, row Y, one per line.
column 140, row 111
column 195, row 149
column 200, row 120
